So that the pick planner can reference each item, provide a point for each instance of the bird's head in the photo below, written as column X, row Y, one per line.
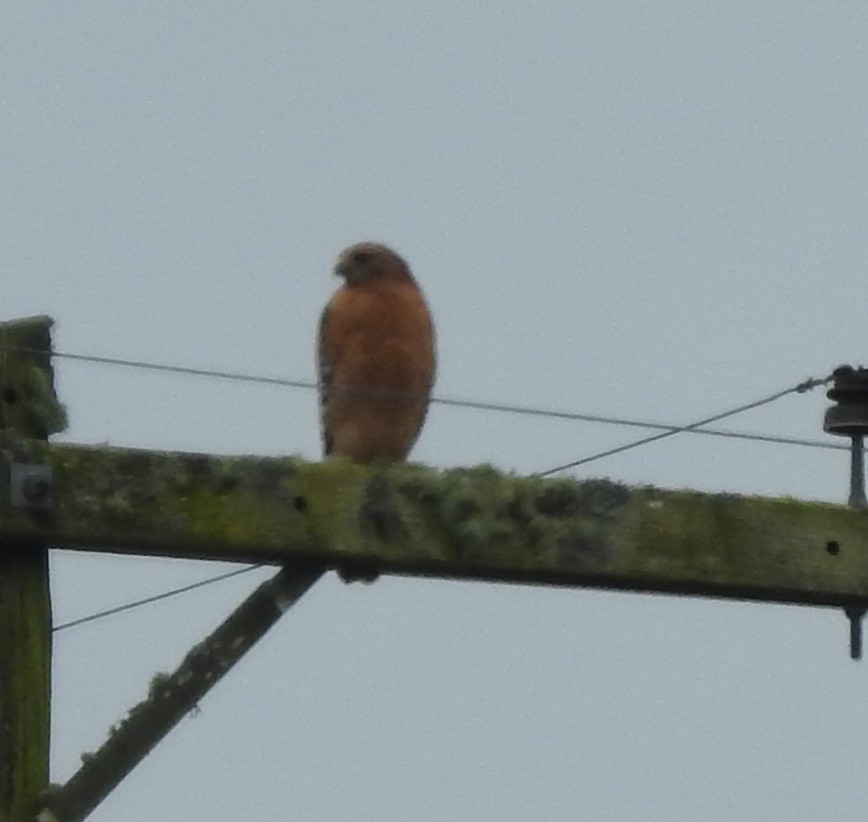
column 367, row 261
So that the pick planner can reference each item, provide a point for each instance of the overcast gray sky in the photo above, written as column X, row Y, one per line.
column 654, row 210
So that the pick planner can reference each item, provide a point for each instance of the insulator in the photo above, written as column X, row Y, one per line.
column 849, row 417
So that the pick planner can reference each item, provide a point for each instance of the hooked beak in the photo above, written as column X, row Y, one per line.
column 342, row 267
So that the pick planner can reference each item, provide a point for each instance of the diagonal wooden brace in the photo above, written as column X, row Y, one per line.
column 173, row 696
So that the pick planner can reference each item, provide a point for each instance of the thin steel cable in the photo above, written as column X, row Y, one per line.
column 801, row 388
column 478, row 405
column 666, row 431
column 156, row 598
column 178, row 369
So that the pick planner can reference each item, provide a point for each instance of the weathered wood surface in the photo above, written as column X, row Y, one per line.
column 28, row 408
column 171, row 697
column 465, row 524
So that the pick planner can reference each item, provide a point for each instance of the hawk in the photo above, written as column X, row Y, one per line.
column 376, row 357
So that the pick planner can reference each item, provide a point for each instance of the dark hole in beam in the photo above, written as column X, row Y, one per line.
column 832, row 548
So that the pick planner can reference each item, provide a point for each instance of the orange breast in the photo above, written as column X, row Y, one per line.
column 379, row 344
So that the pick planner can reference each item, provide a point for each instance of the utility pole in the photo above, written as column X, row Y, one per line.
column 307, row 518
column 28, row 409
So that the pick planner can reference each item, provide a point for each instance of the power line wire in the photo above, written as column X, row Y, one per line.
column 156, row 598
column 665, row 429
column 178, row 369
column 478, row 405
column 801, row 388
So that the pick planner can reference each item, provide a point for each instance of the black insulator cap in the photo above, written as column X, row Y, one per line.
column 850, row 391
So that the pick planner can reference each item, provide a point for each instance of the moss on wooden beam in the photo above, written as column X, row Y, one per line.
column 463, row 524
column 28, row 404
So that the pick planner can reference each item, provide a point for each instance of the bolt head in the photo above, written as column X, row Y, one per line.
column 31, row 486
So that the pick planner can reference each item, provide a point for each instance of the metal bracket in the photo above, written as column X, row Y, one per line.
column 31, row 486
column 855, row 614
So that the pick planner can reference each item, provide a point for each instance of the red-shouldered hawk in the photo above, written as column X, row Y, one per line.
column 376, row 357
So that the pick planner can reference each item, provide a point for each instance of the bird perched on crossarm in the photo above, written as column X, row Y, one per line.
column 376, row 357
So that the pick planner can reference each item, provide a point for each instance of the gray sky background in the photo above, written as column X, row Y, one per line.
column 648, row 210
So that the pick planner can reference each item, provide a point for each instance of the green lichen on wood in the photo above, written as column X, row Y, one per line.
column 28, row 403
column 768, row 548
column 25, row 650
column 486, row 519
column 183, row 502
column 28, row 407
column 467, row 523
